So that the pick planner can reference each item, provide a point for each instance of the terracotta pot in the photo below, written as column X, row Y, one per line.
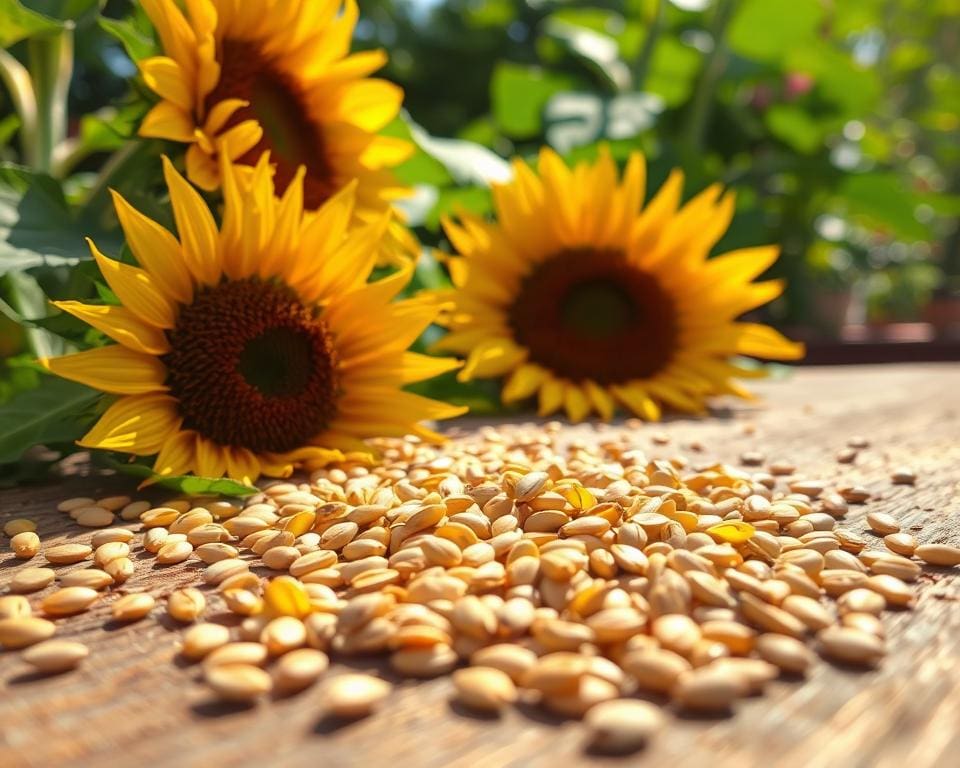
column 832, row 310
column 943, row 313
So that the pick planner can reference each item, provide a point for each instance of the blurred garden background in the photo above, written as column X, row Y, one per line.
column 836, row 122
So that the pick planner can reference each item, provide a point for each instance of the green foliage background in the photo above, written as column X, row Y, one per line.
column 837, row 123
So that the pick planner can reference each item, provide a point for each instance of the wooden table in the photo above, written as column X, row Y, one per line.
column 134, row 703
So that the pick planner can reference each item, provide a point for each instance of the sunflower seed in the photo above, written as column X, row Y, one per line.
column 55, row 656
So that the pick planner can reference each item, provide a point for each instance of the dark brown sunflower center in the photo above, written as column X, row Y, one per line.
column 251, row 367
column 588, row 314
column 280, row 106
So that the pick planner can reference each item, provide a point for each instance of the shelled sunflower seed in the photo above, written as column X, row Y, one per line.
column 570, row 577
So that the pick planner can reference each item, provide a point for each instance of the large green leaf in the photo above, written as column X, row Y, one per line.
column 187, row 484
column 884, row 199
column 520, row 93
column 466, row 162
column 36, row 228
column 576, row 119
column 133, row 34
column 58, row 411
column 673, row 71
column 19, row 23
column 794, row 126
column 65, row 10
column 26, row 297
column 767, row 31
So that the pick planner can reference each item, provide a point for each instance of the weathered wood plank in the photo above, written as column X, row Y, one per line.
column 134, row 703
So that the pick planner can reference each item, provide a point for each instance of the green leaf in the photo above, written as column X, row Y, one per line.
column 27, row 298
column 576, row 119
column 133, row 34
column 36, row 228
column 673, row 71
column 186, row 484
column 454, row 199
column 795, row 127
column 766, row 31
column 466, row 162
column 19, row 23
column 64, row 10
column 519, row 94
column 884, row 199
column 58, row 411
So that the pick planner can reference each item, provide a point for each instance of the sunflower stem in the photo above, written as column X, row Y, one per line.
column 17, row 80
column 51, row 67
column 701, row 105
column 641, row 67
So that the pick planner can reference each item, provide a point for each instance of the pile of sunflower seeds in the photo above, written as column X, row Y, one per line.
column 573, row 578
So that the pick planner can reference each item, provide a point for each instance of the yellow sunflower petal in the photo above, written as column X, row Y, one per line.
column 167, row 121
column 121, row 325
column 178, row 38
column 198, row 232
column 177, row 455
column 634, row 397
column 668, row 392
column 137, row 289
column 764, row 341
column 576, row 403
column 201, row 168
column 551, row 396
column 417, row 367
column 523, row 382
column 139, row 424
column 166, row 78
column 600, row 398
column 743, row 265
column 493, row 357
column 113, row 369
column 210, row 458
column 157, row 251
column 222, row 111
column 242, row 465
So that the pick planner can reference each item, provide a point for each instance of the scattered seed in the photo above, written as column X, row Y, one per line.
column 21, row 631
column 851, row 646
column 788, row 653
column 133, row 607
column 484, row 688
column 32, row 580
column 67, row 554
column 93, row 517
column 19, row 525
column 12, row 606
column 201, row 639
column 246, row 652
column 352, row 696
column 68, row 601
column 238, row 682
column 25, row 545
column 93, row 578
column 622, row 725
column 709, row 689
column 174, row 552
column 903, row 476
column 186, row 605
column 431, row 661
column 55, row 656
column 882, row 523
column 939, row 554
column 299, row 669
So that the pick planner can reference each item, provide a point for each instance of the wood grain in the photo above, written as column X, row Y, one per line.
column 134, row 703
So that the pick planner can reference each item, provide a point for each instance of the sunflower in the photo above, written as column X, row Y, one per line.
column 580, row 294
column 242, row 78
column 256, row 347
